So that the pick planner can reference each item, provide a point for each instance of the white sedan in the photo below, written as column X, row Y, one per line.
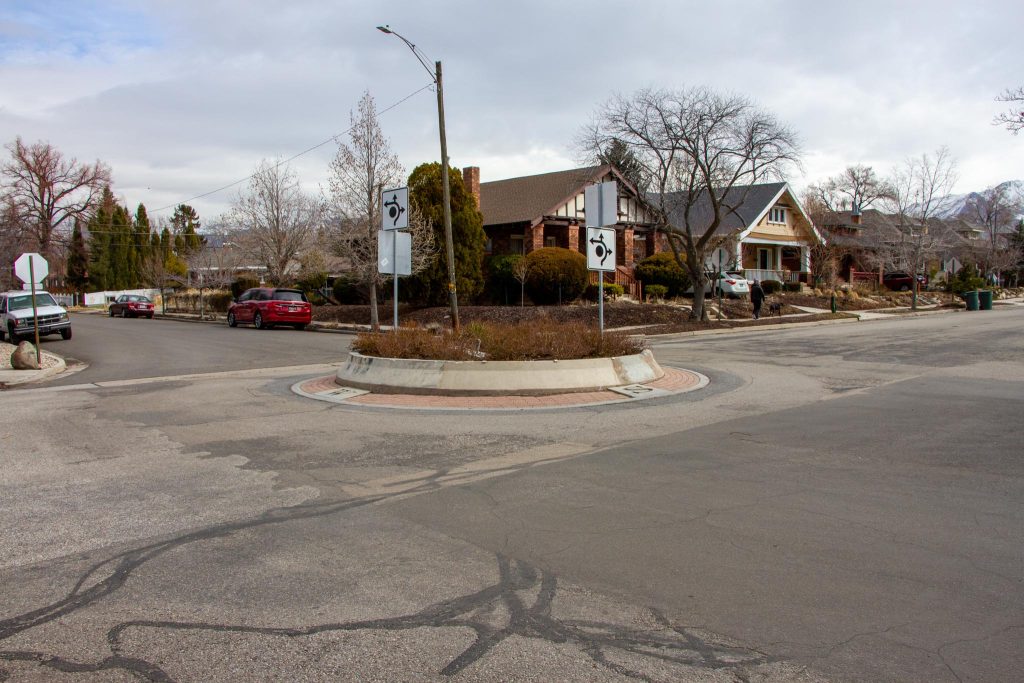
column 731, row 285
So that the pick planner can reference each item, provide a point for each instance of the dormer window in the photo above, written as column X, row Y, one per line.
column 777, row 214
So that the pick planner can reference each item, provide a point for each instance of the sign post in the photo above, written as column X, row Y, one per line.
column 33, row 269
column 394, row 217
column 718, row 259
column 601, row 208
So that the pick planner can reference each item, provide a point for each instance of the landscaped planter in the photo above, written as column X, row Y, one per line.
column 495, row 378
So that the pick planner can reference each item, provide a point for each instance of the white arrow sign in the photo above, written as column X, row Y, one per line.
column 394, row 209
column 601, row 249
column 31, row 268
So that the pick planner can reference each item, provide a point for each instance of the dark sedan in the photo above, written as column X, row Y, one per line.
column 132, row 306
column 903, row 282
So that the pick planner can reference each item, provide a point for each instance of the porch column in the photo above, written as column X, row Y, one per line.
column 535, row 240
column 627, row 246
column 574, row 238
column 805, row 259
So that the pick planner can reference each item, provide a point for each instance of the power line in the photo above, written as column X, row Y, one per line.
column 333, row 138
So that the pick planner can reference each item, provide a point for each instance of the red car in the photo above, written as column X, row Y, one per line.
column 899, row 281
column 265, row 307
column 132, row 306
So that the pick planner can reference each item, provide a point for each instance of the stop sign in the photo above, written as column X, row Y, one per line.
column 38, row 269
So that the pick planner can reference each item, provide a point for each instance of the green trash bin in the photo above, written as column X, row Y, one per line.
column 985, row 299
column 972, row 300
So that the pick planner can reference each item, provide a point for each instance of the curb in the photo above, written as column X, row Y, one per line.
column 312, row 327
column 33, row 375
column 669, row 336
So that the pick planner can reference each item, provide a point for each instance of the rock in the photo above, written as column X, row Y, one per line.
column 24, row 357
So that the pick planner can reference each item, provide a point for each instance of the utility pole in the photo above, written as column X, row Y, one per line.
column 453, row 298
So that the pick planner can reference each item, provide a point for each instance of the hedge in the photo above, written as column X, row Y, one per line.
column 555, row 274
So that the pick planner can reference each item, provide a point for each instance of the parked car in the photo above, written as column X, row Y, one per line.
column 16, row 316
column 266, row 307
column 132, row 306
column 731, row 284
column 899, row 281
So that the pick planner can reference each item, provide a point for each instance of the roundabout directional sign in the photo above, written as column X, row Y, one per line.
column 601, row 249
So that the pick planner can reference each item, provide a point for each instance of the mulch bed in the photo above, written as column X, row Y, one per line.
column 652, row 318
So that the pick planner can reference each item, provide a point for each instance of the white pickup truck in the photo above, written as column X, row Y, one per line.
column 16, row 316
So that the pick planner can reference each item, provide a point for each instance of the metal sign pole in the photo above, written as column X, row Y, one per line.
column 600, row 301
column 35, row 313
column 394, row 279
column 718, row 281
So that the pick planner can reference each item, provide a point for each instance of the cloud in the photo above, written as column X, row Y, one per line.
column 181, row 97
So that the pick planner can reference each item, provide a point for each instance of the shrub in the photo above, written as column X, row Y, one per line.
column 242, row 283
column 612, row 291
column 966, row 280
column 555, row 274
column 792, row 287
column 502, row 286
column 771, row 286
column 535, row 340
column 311, row 281
column 348, row 291
column 661, row 269
column 219, row 301
column 656, row 292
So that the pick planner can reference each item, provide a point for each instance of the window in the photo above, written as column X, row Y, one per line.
column 517, row 244
column 777, row 215
column 489, row 246
column 551, row 241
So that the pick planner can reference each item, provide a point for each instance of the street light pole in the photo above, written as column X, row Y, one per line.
column 453, row 298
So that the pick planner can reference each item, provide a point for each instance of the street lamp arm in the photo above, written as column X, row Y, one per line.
column 416, row 51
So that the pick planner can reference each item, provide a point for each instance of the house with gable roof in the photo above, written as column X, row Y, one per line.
column 766, row 227
column 547, row 210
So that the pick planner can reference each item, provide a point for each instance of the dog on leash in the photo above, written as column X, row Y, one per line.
column 775, row 308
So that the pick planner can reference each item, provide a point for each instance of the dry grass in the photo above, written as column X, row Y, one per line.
column 537, row 340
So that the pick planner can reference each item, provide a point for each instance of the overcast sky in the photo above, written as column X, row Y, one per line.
column 181, row 97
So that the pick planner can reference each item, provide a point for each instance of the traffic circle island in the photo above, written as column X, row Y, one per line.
column 498, row 385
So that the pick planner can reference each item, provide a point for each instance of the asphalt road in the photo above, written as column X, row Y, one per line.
column 132, row 348
column 842, row 503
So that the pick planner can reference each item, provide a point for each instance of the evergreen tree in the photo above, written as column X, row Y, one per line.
column 468, row 237
column 185, row 223
column 78, row 259
column 121, row 250
column 141, row 241
column 618, row 154
column 99, row 228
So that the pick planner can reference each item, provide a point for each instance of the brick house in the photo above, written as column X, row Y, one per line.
column 546, row 210
column 766, row 228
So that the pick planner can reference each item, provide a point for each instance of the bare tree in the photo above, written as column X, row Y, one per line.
column 360, row 170
column 921, row 192
column 48, row 189
column 697, row 151
column 212, row 267
column 996, row 210
column 1013, row 119
column 856, row 188
column 521, row 272
column 275, row 220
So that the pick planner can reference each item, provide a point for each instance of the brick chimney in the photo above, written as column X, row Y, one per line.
column 855, row 215
column 471, row 179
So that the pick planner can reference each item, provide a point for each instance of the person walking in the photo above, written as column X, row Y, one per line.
column 756, row 298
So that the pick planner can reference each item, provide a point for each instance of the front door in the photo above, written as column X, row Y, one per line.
column 764, row 259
